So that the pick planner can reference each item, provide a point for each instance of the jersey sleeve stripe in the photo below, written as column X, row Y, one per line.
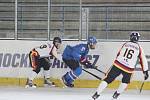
column 141, row 60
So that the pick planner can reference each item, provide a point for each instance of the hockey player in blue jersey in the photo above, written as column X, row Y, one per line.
column 73, row 56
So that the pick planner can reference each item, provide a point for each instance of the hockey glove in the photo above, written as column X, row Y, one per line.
column 86, row 63
column 146, row 75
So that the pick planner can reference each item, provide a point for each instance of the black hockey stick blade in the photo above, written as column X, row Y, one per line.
column 141, row 88
column 92, row 74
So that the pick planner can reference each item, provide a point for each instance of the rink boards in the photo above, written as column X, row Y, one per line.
column 15, row 67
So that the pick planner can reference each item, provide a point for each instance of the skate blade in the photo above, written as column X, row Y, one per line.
column 91, row 98
column 46, row 85
column 113, row 99
column 27, row 86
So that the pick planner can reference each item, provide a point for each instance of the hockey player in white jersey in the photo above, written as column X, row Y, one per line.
column 124, row 64
column 40, row 58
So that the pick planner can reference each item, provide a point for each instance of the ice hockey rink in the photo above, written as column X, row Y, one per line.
column 20, row 93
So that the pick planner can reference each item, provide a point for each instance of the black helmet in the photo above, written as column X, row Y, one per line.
column 134, row 36
column 57, row 39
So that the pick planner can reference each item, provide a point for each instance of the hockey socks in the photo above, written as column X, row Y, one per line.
column 32, row 75
column 122, row 87
column 102, row 86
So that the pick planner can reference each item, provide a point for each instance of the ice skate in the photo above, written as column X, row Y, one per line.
column 48, row 83
column 29, row 84
column 95, row 96
column 115, row 96
column 66, row 84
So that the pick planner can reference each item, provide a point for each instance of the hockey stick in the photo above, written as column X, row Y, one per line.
column 99, row 70
column 141, row 88
column 92, row 74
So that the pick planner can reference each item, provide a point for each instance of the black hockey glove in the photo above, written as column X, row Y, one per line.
column 87, row 64
column 146, row 75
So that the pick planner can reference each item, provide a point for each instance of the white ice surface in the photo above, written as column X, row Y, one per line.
column 20, row 93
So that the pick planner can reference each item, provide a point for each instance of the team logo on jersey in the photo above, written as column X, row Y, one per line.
column 83, row 49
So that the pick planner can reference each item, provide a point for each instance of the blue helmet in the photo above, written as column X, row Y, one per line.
column 134, row 36
column 92, row 40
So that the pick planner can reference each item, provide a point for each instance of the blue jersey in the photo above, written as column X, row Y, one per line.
column 75, row 52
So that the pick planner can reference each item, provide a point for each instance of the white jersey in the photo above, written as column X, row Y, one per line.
column 45, row 50
column 129, row 55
